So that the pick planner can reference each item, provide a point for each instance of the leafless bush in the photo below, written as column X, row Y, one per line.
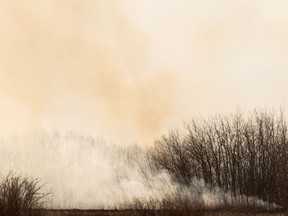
column 21, row 196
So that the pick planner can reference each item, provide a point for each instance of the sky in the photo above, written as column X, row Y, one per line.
column 128, row 70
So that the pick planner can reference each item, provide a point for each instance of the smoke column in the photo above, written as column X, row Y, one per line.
column 74, row 65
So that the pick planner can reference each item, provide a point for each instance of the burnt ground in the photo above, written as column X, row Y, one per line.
column 129, row 212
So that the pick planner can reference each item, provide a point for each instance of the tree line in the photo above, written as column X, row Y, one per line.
column 244, row 154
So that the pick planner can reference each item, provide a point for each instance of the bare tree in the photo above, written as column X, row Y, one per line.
column 243, row 154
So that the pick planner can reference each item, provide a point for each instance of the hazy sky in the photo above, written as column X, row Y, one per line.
column 127, row 70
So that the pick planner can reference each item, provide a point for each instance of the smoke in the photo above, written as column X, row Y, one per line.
column 85, row 172
column 80, row 172
column 126, row 70
column 80, row 66
column 86, row 66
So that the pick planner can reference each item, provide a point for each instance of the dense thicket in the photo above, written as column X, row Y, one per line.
column 242, row 154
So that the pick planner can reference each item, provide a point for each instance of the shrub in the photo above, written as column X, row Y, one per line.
column 21, row 196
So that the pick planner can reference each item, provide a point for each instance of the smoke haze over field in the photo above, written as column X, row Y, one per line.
column 128, row 70
column 87, row 173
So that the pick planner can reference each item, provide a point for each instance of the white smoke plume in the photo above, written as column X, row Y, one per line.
column 85, row 172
